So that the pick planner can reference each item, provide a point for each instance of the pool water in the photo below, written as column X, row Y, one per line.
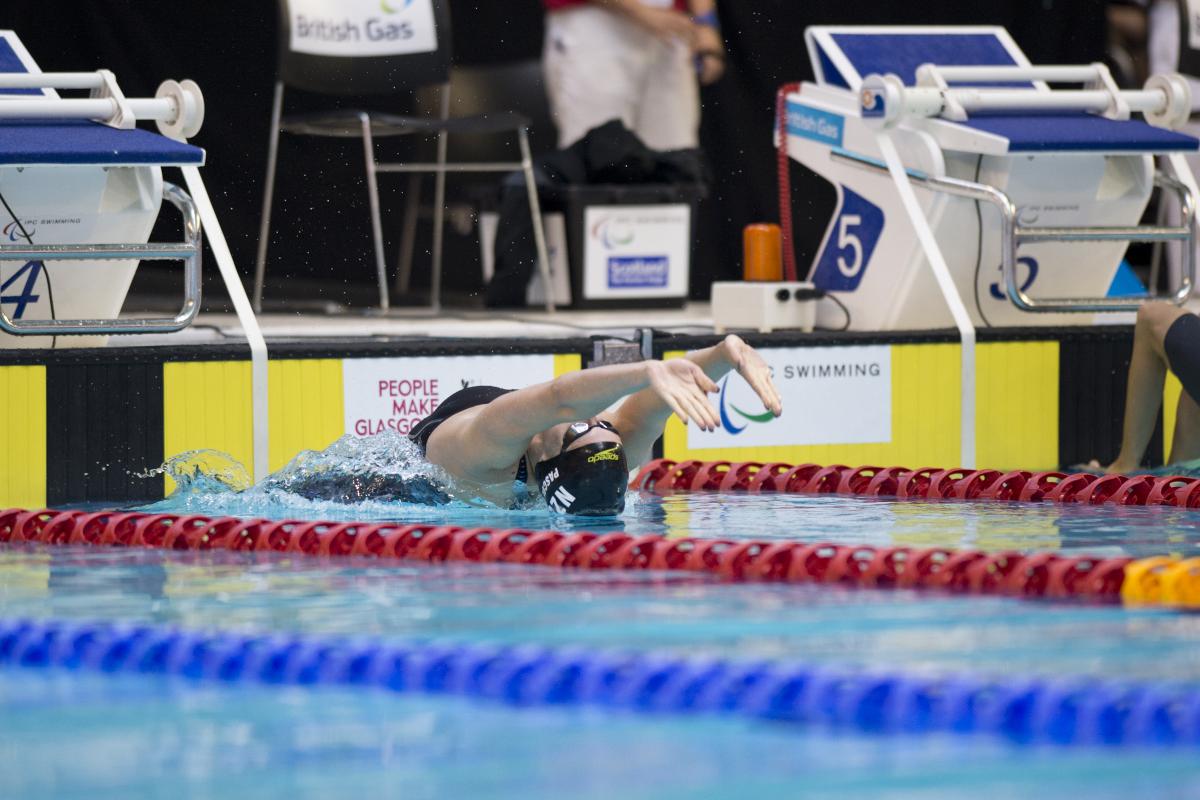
column 70, row 733
column 212, row 483
column 102, row 737
column 990, row 526
column 512, row 604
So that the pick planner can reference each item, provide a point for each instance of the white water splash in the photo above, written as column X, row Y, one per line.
column 375, row 477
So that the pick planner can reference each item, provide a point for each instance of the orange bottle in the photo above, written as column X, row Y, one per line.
column 762, row 252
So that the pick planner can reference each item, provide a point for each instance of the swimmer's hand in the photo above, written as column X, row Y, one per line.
column 684, row 387
column 750, row 365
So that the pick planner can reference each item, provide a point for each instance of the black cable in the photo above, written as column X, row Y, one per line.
column 842, row 306
column 45, row 269
column 979, row 246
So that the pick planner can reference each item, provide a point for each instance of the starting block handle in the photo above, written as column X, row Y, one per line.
column 189, row 252
column 1012, row 235
column 52, row 80
column 178, row 107
column 1166, row 100
column 927, row 74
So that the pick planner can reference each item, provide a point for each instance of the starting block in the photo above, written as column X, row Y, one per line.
column 80, row 190
column 969, row 192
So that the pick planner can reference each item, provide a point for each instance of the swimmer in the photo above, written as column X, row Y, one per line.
column 1166, row 337
column 569, row 440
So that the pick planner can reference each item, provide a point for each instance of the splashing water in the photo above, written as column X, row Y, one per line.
column 377, row 476
column 199, row 472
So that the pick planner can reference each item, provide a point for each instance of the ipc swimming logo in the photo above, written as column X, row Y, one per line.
column 727, row 421
column 12, row 232
column 612, row 234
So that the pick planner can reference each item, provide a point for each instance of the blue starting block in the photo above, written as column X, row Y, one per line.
column 80, row 190
column 970, row 192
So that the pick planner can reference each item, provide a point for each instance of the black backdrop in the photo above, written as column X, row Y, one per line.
column 228, row 47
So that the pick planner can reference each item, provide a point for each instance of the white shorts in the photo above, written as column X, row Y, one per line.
column 600, row 66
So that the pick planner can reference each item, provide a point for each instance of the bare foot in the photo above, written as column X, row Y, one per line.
column 1095, row 466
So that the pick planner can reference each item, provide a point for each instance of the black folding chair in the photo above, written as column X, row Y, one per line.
column 398, row 71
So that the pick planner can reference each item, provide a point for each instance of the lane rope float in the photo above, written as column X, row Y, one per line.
column 925, row 483
column 1024, row 710
column 1159, row 580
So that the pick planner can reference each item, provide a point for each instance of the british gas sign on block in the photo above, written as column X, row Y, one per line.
column 813, row 123
column 831, row 395
column 358, row 28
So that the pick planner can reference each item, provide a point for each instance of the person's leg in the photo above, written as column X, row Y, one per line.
column 1185, row 444
column 1143, row 392
column 668, row 112
column 592, row 64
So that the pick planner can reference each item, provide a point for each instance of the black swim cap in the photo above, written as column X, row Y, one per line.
column 589, row 480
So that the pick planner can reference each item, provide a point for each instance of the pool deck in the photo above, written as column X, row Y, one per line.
column 415, row 324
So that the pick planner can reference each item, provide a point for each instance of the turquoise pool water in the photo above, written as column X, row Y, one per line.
column 125, row 738
column 211, row 483
column 68, row 734
column 510, row 604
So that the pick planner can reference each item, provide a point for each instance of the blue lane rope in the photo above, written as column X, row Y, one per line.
column 1068, row 711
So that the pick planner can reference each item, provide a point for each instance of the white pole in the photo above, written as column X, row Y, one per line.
column 96, row 108
column 51, row 80
column 1066, row 100
column 926, row 102
column 1050, row 72
column 962, row 320
column 241, row 304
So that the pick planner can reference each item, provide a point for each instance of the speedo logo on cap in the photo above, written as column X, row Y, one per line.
column 605, row 455
column 562, row 500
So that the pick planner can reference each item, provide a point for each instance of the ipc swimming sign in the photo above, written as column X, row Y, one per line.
column 831, row 395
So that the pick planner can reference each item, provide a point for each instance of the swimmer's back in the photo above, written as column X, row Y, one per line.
column 463, row 399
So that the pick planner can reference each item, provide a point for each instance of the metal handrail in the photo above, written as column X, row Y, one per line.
column 189, row 252
column 1013, row 235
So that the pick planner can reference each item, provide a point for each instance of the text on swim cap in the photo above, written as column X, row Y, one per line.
column 605, row 455
column 562, row 500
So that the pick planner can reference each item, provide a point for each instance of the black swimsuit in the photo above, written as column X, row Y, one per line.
column 470, row 397
column 1182, row 346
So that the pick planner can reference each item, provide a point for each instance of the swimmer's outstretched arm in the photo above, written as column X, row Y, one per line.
column 474, row 445
column 642, row 417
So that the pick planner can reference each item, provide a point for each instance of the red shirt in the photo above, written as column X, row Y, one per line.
column 555, row 5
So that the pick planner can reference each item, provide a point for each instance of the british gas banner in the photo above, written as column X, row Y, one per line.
column 355, row 28
column 393, row 394
column 831, row 395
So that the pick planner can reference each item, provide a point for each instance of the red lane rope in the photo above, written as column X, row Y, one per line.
column 922, row 483
column 966, row 571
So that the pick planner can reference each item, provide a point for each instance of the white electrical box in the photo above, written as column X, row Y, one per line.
column 763, row 306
